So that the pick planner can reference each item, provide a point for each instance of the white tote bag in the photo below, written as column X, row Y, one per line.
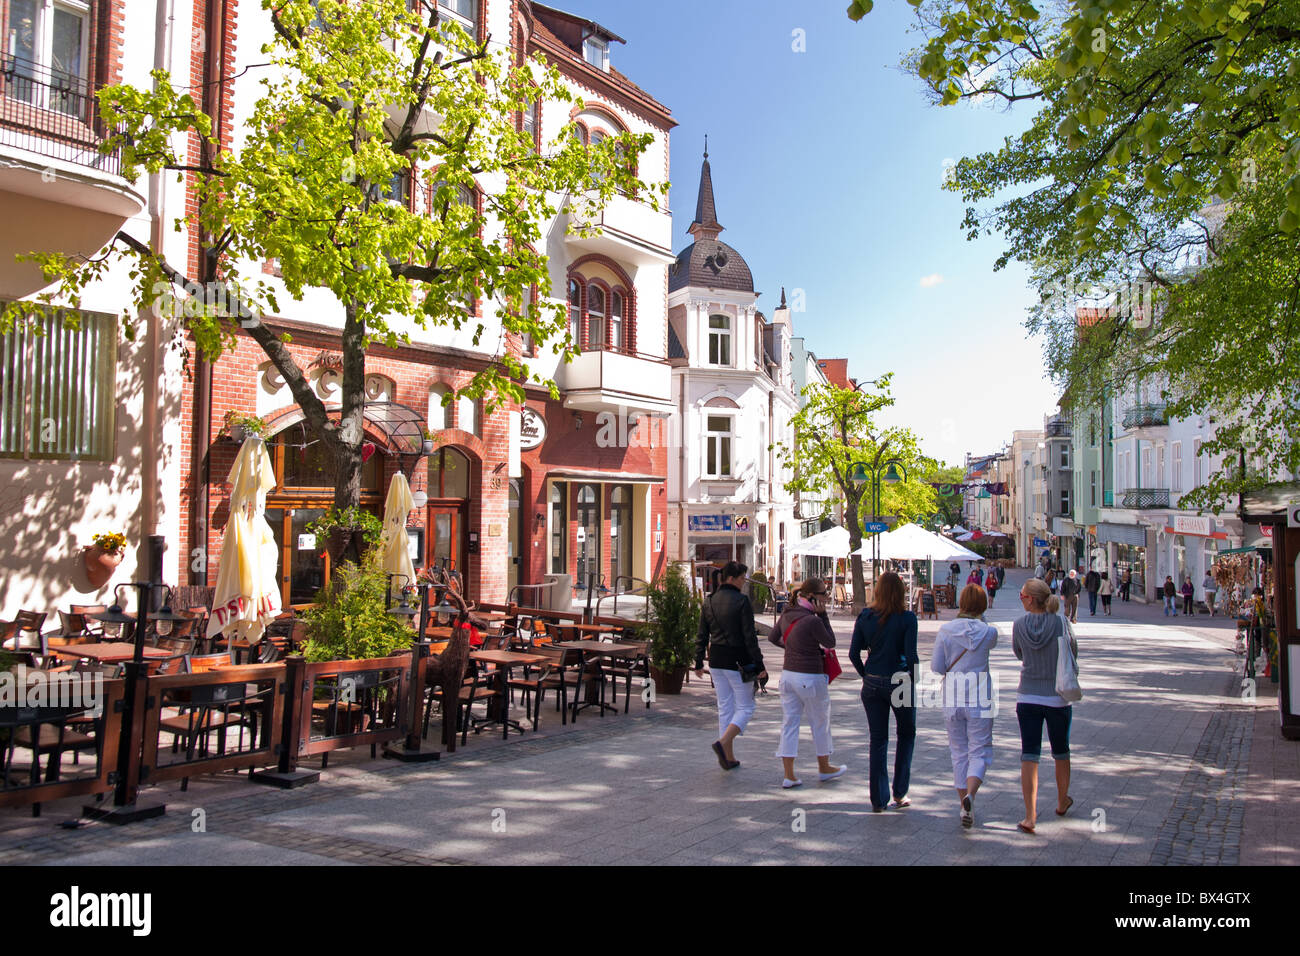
column 1067, row 668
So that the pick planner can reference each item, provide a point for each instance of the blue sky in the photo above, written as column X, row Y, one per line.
column 826, row 168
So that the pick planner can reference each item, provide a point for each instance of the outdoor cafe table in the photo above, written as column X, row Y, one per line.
column 572, row 629
column 110, row 652
column 599, row 649
column 505, row 662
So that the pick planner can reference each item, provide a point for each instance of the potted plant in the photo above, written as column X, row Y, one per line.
column 349, row 620
column 103, row 556
column 673, row 617
column 347, row 532
column 426, row 445
column 239, row 425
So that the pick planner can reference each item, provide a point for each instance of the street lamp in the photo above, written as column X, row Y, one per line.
column 859, row 476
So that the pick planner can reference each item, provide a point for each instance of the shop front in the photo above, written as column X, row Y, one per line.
column 1278, row 509
column 1126, row 551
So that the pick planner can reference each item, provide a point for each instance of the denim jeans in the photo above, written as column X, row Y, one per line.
column 1031, row 718
column 1092, row 602
column 878, row 700
column 1169, row 606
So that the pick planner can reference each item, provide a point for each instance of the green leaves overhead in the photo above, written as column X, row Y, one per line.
column 1163, row 148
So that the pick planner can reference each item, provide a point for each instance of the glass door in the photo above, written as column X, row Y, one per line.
column 302, row 556
column 620, row 536
column 447, row 542
column 514, row 547
column 588, row 536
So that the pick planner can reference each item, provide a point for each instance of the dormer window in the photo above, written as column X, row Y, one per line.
column 595, row 50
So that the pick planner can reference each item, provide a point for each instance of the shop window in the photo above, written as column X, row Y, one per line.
column 559, row 529
column 302, row 462
column 58, row 388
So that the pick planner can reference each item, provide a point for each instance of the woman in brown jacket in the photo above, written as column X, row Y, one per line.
column 804, row 630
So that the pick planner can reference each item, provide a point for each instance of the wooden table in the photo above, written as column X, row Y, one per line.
column 571, row 629
column 110, row 652
column 597, row 649
column 505, row 662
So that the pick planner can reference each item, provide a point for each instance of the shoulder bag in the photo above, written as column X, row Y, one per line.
column 1067, row 668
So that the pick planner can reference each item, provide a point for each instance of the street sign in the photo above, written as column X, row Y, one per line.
column 709, row 523
column 742, row 523
column 1293, row 515
column 1039, row 543
column 874, row 527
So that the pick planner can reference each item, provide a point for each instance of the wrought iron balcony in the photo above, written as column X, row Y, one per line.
column 1059, row 428
column 1145, row 416
column 1141, row 498
column 52, row 113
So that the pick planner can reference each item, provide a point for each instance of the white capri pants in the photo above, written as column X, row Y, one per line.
column 735, row 699
column 970, row 738
column 800, row 693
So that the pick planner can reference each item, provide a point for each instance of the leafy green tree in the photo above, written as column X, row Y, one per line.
column 362, row 100
column 839, row 428
column 1159, row 180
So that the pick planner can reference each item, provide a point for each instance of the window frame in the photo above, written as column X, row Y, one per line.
column 711, row 436
column 723, row 338
column 598, row 45
column 45, row 76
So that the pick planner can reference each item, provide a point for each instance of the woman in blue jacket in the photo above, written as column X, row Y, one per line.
column 887, row 631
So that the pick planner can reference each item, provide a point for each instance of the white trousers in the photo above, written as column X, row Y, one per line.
column 970, row 738
column 735, row 699
column 800, row 693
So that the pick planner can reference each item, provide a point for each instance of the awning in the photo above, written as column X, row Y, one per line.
column 1134, row 534
column 611, row 477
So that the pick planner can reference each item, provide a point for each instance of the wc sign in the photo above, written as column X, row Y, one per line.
column 1293, row 515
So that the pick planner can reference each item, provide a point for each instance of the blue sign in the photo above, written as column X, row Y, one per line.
column 709, row 523
column 1039, row 543
column 874, row 527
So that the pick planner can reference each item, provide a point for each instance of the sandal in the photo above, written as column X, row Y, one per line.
column 901, row 803
column 1061, row 813
column 1024, row 829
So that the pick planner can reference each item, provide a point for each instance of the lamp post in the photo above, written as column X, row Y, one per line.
column 410, row 751
column 126, row 787
column 886, row 472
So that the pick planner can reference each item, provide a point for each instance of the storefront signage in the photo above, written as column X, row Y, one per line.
column 1184, row 524
column 709, row 523
column 306, row 542
column 659, row 540
column 532, row 429
column 1292, row 516
column 742, row 524
column 1267, row 529
column 1039, row 543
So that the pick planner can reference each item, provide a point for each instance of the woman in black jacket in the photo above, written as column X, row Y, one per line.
column 727, row 632
column 887, row 631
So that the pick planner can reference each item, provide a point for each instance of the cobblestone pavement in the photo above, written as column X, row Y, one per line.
column 1160, row 753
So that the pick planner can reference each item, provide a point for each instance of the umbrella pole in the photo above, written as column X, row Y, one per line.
column 410, row 751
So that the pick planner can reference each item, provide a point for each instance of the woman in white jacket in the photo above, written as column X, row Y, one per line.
column 961, row 652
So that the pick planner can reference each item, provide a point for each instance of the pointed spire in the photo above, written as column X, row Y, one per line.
column 706, row 224
column 782, row 305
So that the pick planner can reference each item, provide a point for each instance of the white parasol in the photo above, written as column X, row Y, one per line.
column 247, row 595
column 397, row 555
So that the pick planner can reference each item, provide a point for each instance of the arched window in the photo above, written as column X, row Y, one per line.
column 595, row 317
column 616, row 321
column 575, row 311
column 438, row 412
column 467, row 414
column 449, row 474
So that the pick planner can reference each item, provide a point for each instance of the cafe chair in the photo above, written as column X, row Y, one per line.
column 628, row 668
column 88, row 612
column 534, row 682
column 23, row 637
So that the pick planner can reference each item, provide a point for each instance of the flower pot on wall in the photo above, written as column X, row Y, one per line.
column 101, row 564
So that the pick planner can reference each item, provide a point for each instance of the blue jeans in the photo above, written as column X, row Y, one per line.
column 878, row 698
column 1169, row 606
column 1031, row 718
column 1092, row 602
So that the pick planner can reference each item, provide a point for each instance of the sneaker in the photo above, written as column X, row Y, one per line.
column 832, row 775
column 967, row 813
column 788, row 784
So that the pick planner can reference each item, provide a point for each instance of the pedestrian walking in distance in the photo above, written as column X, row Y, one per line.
column 1188, row 591
column 804, row 629
column 727, row 633
column 1105, row 591
column 1092, row 584
column 1034, row 640
column 887, row 632
column 1170, row 592
column 1126, row 582
column 1070, row 595
column 1211, row 589
column 991, row 585
column 961, row 655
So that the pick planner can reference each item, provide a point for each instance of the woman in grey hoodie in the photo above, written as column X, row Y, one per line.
column 1034, row 641
column 961, row 651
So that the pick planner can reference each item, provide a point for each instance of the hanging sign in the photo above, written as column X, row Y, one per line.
column 532, row 429
column 1292, row 516
column 306, row 542
column 582, row 534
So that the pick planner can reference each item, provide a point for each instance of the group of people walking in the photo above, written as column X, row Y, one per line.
column 886, row 633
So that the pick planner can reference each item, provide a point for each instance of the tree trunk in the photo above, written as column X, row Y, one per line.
column 351, row 433
column 854, row 522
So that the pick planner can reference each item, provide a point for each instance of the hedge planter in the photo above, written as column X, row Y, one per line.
column 101, row 564
column 668, row 682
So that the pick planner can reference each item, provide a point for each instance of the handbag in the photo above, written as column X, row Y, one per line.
column 1067, row 669
column 832, row 664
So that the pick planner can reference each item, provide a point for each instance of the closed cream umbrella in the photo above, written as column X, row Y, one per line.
column 396, row 551
column 247, row 594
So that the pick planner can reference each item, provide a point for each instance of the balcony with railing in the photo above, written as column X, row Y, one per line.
column 627, row 230
column 1143, row 498
column 602, row 378
column 1145, row 416
column 1059, row 428
column 69, row 196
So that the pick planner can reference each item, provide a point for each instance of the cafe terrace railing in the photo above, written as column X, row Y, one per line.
column 95, row 773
